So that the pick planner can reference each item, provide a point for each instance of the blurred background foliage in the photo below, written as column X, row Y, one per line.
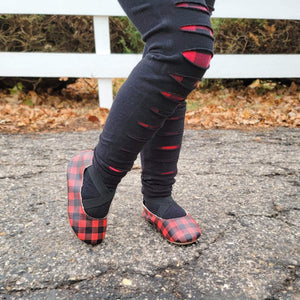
column 75, row 34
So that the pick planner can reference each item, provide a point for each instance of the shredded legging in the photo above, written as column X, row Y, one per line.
column 148, row 112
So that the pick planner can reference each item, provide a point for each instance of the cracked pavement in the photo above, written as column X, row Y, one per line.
column 243, row 188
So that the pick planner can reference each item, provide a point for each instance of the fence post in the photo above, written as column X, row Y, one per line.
column 102, row 46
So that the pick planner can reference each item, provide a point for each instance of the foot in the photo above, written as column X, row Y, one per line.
column 87, row 228
column 164, row 207
column 180, row 230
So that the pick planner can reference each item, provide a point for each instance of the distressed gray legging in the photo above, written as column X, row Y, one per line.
column 147, row 115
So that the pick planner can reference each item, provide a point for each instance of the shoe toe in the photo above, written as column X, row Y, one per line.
column 182, row 230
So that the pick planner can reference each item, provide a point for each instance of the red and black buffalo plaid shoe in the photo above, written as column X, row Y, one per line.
column 88, row 229
column 180, row 231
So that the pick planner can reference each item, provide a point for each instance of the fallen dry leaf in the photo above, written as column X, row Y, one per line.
column 257, row 139
column 93, row 119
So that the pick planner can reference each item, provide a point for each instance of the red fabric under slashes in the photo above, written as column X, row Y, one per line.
column 170, row 147
column 148, row 126
column 177, row 77
column 155, row 109
column 172, row 133
column 192, row 5
column 115, row 170
column 198, row 58
column 173, row 96
column 181, row 79
column 174, row 118
column 196, row 83
column 196, row 28
column 168, row 173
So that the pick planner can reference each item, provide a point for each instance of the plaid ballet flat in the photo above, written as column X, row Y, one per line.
column 88, row 229
column 180, row 231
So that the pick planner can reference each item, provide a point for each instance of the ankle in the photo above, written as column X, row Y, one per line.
column 164, row 207
column 96, row 197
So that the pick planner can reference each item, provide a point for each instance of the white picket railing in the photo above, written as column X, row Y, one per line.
column 105, row 66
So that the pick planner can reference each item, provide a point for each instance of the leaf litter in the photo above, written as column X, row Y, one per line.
column 262, row 104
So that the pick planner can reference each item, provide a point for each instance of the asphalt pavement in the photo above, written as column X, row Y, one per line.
column 243, row 188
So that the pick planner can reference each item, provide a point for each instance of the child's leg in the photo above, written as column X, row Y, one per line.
column 159, row 163
column 178, row 50
column 160, row 156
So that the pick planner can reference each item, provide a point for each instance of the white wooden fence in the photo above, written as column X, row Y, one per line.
column 105, row 66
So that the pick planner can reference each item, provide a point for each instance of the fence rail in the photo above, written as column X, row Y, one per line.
column 105, row 66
